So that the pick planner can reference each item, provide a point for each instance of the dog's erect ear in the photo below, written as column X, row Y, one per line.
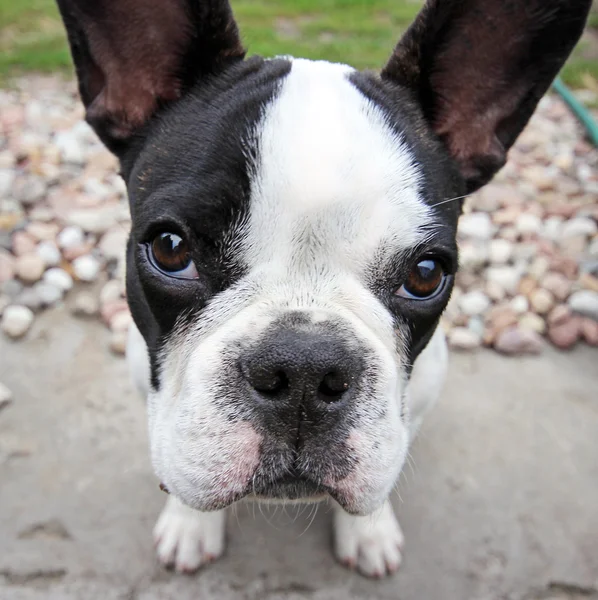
column 479, row 68
column 133, row 56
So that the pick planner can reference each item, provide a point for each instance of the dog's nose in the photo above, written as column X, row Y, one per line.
column 301, row 367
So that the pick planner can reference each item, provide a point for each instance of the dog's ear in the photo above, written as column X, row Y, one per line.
column 479, row 68
column 134, row 56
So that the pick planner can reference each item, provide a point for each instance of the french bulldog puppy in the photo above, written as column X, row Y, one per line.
column 293, row 243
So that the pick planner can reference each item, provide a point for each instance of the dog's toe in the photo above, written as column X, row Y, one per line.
column 371, row 544
column 186, row 539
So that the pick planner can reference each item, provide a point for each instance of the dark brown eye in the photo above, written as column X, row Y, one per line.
column 424, row 281
column 170, row 253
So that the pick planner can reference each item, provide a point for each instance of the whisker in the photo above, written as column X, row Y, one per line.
column 450, row 200
column 313, row 516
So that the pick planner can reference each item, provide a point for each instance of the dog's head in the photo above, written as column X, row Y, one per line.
column 293, row 239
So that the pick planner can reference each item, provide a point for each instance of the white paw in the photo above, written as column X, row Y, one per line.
column 186, row 539
column 371, row 544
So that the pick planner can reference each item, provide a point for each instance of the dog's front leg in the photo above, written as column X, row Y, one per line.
column 370, row 544
column 186, row 539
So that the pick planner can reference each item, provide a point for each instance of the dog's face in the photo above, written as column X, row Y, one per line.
column 293, row 240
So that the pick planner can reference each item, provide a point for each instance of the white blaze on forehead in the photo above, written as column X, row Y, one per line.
column 333, row 179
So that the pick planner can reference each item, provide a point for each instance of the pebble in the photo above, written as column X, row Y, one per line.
column 519, row 304
column 43, row 231
column 47, row 293
column 528, row 224
column 112, row 291
column 462, row 338
column 85, row 305
column 49, row 253
column 16, row 321
column 11, row 288
column 86, row 268
column 70, row 237
column 579, row 227
column 71, row 148
column 94, row 220
column 29, row 267
column 5, row 396
column 475, row 226
column 565, row 335
column 58, row 278
column 515, row 341
column 500, row 251
column 30, row 190
column 118, row 342
column 559, row 314
column 22, row 243
column 109, row 309
column 113, row 244
column 120, row 321
column 584, row 302
column 589, row 331
column 557, row 284
column 29, row 298
column 541, row 301
column 7, row 266
column 534, row 322
column 474, row 303
column 507, row 277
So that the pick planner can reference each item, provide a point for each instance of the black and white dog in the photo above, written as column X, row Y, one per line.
column 293, row 243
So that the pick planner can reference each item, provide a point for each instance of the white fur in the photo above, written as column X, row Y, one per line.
column 186, row 539
column 371, row 544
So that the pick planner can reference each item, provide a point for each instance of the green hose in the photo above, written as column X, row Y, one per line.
column 579, row 110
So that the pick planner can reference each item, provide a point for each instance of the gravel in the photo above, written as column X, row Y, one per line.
column 528, row 241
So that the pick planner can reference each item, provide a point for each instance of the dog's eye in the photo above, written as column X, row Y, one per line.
column 170, row 254
column 425, row 280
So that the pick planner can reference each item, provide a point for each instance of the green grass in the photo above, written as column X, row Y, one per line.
column 359, row 32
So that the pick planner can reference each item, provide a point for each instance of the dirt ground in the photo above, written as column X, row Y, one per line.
column 501, row 502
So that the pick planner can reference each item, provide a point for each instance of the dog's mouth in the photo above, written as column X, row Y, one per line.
column 291, row 486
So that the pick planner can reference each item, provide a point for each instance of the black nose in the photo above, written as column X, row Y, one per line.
column 301, row 367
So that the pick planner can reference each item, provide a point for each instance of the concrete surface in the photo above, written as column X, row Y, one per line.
column 501, row 503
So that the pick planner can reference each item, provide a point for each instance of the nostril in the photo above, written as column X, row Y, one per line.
column 333, row 386
column 270, row 384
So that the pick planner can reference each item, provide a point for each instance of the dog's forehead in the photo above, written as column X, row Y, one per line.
column 333, row 177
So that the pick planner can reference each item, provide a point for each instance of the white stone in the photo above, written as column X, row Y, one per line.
column 528, row 224
column 111, row 291
column 584, row 302
column 49, row 253
column 86, row 305
column 506, row 276
column 474, row 303
column 500, row 251
column 477, row 225
column 121, row 321
column 114, row 243
column 472, row 255
column 462, row 338
column 7, row 179
column 16, row 320
column 86, row 267
column 70, row 237
column 47, row 293
column 579, row 226
column 94, row 220
column 519, row 304
column 553, row 228
column 71, row 148
column 59, row 278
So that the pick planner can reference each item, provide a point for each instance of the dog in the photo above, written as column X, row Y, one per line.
column 293, row 243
